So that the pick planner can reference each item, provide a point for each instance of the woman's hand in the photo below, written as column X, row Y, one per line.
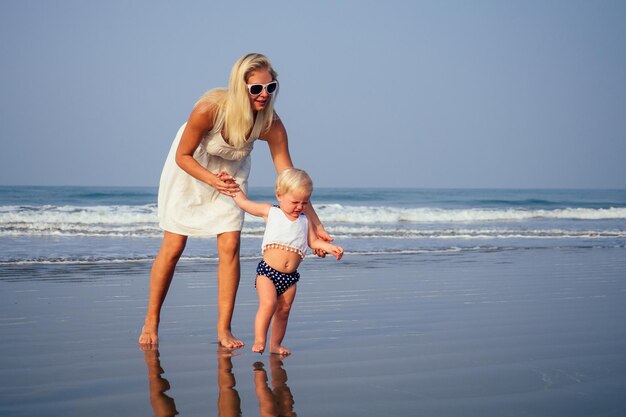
column 225, row 184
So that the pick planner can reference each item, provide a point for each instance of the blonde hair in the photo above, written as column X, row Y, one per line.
column 233, row 112
column 293, row 179
column 232, row 105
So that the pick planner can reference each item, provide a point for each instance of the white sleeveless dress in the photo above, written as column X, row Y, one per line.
column 189, row 207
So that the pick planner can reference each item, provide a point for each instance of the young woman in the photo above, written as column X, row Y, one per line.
column 195, row 194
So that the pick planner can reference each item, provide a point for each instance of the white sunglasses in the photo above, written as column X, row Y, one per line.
column 257, row 89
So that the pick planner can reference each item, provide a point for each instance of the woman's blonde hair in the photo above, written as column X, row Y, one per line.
column 292, row 179
column 233, row 112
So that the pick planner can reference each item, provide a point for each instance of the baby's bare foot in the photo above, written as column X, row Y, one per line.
column 280, row 350
column 258, row 347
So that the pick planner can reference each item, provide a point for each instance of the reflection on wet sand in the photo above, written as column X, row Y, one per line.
column 274, row 401
column 162, row 404
column 277, row 401
column 228, row 401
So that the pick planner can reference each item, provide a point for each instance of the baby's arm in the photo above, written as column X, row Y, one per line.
column 316, row 243
column 252, row 207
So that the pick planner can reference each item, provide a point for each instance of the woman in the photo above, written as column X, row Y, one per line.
column 207, row 163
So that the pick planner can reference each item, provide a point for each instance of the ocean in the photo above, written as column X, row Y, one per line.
column 101, row 225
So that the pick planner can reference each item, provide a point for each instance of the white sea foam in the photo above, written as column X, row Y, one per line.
column 348, row 221
column 115, row 221
column 98, row 261
column 373, row 215
column 367, row 232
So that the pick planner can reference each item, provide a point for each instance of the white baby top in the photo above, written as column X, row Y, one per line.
column 190, row 207
column 284, row 233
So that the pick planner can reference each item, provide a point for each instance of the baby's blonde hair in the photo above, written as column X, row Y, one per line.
column 292, row 179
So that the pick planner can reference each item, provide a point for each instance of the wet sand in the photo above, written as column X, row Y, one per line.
column 510, row 333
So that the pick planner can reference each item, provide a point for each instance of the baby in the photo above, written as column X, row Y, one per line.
column 287, row 234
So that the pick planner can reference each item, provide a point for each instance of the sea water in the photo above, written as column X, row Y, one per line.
column 74, row 225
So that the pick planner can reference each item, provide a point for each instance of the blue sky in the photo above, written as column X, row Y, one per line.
column 528, row 94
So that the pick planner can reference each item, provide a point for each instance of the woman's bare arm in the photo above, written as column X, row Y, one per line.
column 276, row 138
column 318, row 244
column 200, row 122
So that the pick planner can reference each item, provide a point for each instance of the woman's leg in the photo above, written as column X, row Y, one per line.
column 281, row 317
column 228, row 275
column 267, row 306
column 160, row 279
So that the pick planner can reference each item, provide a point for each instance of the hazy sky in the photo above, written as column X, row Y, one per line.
column 373, row 93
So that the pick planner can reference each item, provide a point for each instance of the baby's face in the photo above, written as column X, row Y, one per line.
column 294, row 202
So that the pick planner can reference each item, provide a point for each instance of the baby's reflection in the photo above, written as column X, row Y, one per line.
column 277, row 401
column 162, row 404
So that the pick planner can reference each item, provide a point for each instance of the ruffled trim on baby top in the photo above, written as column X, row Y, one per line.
column 283, row 247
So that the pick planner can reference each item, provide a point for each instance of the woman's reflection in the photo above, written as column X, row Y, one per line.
column 277, row 401
column 162, row 404
column 228, row 401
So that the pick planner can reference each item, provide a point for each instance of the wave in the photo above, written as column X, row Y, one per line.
column 351, row 221
column 10, row 265
column 339, row 213
column 113, row 221
column 477, row 233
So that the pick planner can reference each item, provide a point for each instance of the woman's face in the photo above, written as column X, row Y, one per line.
column 260, row 76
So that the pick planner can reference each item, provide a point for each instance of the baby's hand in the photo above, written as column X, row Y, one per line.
column 337, row 252
column 225, row 177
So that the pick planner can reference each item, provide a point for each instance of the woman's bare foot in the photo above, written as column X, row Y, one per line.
column 229, row 341
column 258, row 347
column 280, row 350
column 223, row 352
column 149, row 334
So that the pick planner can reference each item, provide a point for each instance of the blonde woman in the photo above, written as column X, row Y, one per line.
column 208, row 163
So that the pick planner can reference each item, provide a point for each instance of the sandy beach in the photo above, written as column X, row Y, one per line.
column 510, row 333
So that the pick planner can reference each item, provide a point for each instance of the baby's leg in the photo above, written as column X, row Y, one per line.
column 267, row 306
column 281, row 317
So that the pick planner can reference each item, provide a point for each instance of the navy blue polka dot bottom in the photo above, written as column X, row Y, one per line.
column 281, row 281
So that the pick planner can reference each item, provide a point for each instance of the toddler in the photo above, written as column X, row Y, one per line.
column 287, row 235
